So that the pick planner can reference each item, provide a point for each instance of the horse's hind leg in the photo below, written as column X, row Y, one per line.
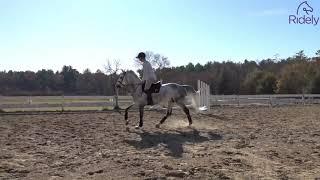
column 169, row 112
column 186, row 111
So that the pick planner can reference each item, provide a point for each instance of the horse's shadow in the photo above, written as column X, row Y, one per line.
column 172, row 140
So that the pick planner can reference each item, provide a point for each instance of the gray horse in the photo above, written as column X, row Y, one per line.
column 169, row 94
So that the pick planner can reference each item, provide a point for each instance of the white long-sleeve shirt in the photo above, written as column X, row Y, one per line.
column 148, row 72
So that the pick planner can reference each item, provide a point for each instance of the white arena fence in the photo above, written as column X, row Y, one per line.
column 270, row 100
column 61, row 102
column 204, row 95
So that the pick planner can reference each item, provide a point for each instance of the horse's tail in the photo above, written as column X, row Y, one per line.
column 192, row 97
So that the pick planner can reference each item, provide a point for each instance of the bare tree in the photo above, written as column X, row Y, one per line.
column 300, row 55
column 276, row 57
column 112, row 68
column 318, row 53
column 137, row 63
column 157, row 60
column 149, row 57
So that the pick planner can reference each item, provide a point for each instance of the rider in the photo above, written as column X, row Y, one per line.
column 148, row 76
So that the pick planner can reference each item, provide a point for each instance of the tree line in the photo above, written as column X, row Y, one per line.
column 296, row 74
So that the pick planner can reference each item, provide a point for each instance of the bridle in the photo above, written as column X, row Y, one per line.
column 120, row 81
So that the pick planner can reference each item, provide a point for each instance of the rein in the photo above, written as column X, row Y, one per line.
column 135, row 85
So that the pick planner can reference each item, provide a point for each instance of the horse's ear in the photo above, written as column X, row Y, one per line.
column 123, row 71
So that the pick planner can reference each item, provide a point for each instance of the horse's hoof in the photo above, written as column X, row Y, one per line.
column 158, row 126
column 127, row 122
column 137, row 127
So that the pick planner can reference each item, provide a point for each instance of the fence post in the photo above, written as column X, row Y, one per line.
column 203, row 93
column 208, row 95
column 199, row 96
column 29, row 100
column 303, row 99
column 204, row 97
column 62, row 103
column 270, row 101
column 216, row 99
column 223, row 100
column 238, row 98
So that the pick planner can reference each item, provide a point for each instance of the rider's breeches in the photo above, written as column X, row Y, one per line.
column 148, row 84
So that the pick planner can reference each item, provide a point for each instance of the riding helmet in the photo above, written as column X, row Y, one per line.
column 141, row 55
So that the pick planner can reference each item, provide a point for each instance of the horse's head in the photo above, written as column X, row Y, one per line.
column 122, row 80
column 127, row 78
column 304, row 6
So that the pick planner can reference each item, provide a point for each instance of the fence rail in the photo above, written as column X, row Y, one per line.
column 61, row 102
column 278, row 99
column 12, row 103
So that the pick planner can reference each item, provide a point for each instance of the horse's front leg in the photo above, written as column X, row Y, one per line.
column 126, row 114
column 141, row 111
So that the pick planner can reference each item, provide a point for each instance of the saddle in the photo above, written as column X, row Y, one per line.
column 155, row 88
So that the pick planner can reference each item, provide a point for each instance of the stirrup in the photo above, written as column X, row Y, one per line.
column 150, row 103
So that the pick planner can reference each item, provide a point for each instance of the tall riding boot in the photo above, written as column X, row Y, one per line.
column 149, row 98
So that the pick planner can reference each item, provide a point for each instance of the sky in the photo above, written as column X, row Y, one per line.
column 47, row 34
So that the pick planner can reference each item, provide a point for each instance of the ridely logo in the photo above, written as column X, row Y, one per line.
column 304, row 15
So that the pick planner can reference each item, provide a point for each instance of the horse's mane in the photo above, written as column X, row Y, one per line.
column 134, row 74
